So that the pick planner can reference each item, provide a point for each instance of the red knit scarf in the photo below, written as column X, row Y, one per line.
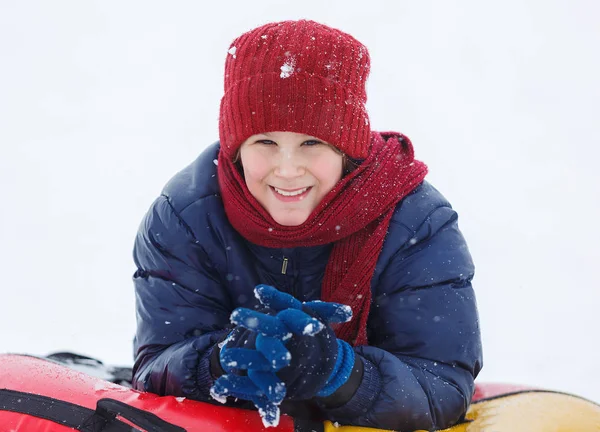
column 354, row 216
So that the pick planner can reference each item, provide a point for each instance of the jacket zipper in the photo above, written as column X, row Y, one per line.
column 289, row 280
column 284, row 266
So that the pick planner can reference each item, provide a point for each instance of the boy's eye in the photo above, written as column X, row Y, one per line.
column 312, row 142
column 266, row 142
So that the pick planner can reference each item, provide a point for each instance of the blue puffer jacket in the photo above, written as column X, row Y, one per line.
column 194, row 269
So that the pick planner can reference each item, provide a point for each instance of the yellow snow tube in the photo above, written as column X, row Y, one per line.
column 528, row 411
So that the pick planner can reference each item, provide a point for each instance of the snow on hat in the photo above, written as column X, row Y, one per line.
column 296, row 76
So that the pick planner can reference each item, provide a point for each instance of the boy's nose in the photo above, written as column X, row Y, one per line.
column 289, row 165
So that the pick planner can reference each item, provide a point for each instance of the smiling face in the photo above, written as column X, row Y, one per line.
column 289, row 173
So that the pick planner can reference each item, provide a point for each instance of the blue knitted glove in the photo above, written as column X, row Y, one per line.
column 309, row 360
column 268, row 357
column 250, row 373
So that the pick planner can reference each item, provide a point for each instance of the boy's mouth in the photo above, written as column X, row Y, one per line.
column 288, row 195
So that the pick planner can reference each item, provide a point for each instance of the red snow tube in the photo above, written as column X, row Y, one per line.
column 22, row 376
column 39, row 395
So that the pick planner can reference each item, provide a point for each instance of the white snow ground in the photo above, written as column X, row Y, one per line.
column 101, row 102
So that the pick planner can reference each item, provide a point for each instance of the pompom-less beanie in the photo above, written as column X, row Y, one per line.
column 296, row 76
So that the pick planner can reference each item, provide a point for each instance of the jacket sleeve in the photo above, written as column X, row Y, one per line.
column 424, row 342
column 182, row 309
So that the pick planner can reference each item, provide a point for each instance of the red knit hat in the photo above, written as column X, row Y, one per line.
column 296, row 76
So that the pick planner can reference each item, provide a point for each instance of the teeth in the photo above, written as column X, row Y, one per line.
column 286, row 193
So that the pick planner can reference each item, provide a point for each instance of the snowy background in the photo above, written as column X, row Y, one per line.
column 101, row 102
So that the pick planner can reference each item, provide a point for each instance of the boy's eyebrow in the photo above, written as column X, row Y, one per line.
column 307, row 137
